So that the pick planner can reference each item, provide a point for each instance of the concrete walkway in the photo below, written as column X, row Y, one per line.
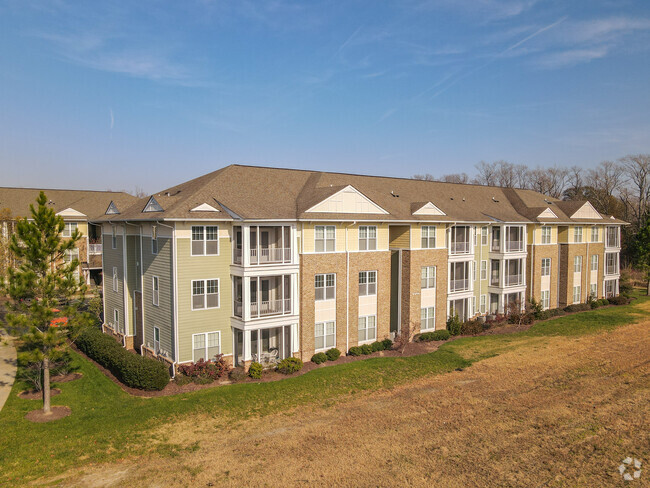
column 7, row 367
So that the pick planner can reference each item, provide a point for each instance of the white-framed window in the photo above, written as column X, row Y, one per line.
column 475, row 236
column 206, row 345
column 325, row 335
column 577, row 264
column 368, row 328
column 69, row 256
column 474, row 267
column 427, row 318
column 115, row 281
column 474, row 310
column 546, row 267
column 546, row 235
column 154, row 240
column 325, row 285
column 156, row 340
column 325, row 238
column 367, row 283
column 594, row 234
column 205, row 294
column 205, row 240
column 113, row 237
column 577, row 234
column 546, row 299
column 594, row 262
column 69, row 229
column 428, row 277
column 576, row 294
column 367, row 237
column 155, row 290
column 428, row 236
column 484, row 236
column 484, row 269
column 116, row 320
column 483, row 303
column 593, row 290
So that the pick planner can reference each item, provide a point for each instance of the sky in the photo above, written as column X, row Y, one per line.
column 148, row 94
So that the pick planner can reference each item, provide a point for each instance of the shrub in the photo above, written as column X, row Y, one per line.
column 436, row 335
column 238, row 374
column 366, row 349
column 619, row 300
column 131, row 369
column 577, row 307
column 319, row 358
column 453, row 325
column 181, row 379
column 290, row 365
column 377, row 346
column 203, row 372
column 535, row 308
column 388, row 344
column 471, row 327
column 255, row 370
column 355, row 351
column 603, row 302
column 333, row 354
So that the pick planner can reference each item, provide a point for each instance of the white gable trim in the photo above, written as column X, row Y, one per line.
column 547, row 214
column 429, row 209
column 587, row 211
column 204, row 207
column 112, row 209
column 152, row 206
column 70, row 212
column 344, row 200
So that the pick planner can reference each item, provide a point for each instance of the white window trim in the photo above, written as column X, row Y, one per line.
column 155, row 294
column 576, row 260
column 542, row 293
column 67, row 229
column 367, row 273
column 205, row 341
column 434, row 319
column 365, row 318
column 205, row 294
column 550, row 263
column 205, row 240
column 550, row 235
column 116, row 320
column 428, row 278
column 484, row 236
column 113, row 237
column 157, row 350
column 575, row 235
column 324, row 275
column 591, row 264
column 325, row 239
column 154, row 241
column 579, row 288
column 483, row 303
column 366, row 239
column 116, row 283
column 484, row 272
column 325, row 346
column 430, row 229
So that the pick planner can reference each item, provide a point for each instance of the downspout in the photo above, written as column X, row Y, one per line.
column 175, row 293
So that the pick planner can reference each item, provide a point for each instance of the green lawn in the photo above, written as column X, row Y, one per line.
column 107, row 424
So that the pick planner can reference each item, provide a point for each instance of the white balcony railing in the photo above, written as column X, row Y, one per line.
column 237, row 256
column 461, row 247
column 514, row 246
column 514, row 280
column 237, row 308
column 270, row 307
column 611, row 269
column 94, row 249
column 269, row 255
column 459, row 285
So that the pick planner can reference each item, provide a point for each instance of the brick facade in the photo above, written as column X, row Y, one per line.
column 534, row 272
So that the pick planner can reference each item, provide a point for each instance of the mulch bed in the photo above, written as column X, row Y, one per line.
column 37, row 395
column 65, row 378
column 57, row 412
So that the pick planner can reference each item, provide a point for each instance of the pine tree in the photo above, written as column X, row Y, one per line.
column 43, row 287
column 641, row 248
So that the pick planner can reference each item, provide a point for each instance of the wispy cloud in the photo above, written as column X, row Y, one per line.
column 570, row 57
column 486, row 10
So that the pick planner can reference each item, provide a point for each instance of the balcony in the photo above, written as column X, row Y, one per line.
column 459, row 240
column 271, row 307
column 94, row 249
column 514, row 246
column 514, row 280
column 611, row 264
column 262, row 245
column 458, row 285
column 270, row 255
column 459, row 247
column 269, row 295
column 612, row 237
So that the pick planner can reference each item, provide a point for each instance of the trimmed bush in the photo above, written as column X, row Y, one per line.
column 603, row 302
column 388, row 344
column 377, row 346
column 619, row 300
column 319, row 358
column 290, row 365
column 453, row 325
column 436, row 335
column 131, row 369
column 203, row 372
column 366, row 349
column 577, row 307
column 255, row 370
column 355, row 351
column 471, row 327
column 238, row 374
column 333, row 354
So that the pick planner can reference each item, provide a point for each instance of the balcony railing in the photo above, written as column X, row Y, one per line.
column 611, row 269
column 237, row 308
column 271, row 307
column 268, row 255
column 237, row 256
column 94, row 248
column 496, row 245
column 513, row 280
column 514, row 246
column 612, row 241
column 462, row 247
column 458, row 285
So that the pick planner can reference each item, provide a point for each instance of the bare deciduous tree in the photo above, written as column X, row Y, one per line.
column 636, row 169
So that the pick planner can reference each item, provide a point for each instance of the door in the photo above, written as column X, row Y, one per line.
column 138, row 340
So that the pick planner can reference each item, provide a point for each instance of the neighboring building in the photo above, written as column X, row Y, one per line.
column 256, row 262
column 77, row 207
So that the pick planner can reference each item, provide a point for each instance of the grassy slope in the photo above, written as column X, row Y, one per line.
column 107, row 424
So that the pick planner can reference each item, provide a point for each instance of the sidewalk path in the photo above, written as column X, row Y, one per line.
column 7, row 367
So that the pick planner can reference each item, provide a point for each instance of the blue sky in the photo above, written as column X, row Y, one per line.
column 115, row 95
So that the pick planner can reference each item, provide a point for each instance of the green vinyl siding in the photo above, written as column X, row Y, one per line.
column 114, row 300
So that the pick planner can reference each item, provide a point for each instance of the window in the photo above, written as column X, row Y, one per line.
column 546, row 299
column 156, row 340
column 484, row 269
column 474, row 266
column 206, row 346
column 576, row 294
column 156, row 289
column 205, row 240
column 367, row 238
column 428, row 276
column 546, row 267
column 546, row 235
column 69, row 229
column 368, row 328
column 325, row 286
column 367, row 283
column 577, row 234
column 484, row 236
column 475, row 236
column 594, row 234
column 593, row 290
column 428, row 236
column 577, row 264
column 594, row 262
column 474, row 305
column 428, row 318
column 325, row 238
column 154, row 239
column 115, row 282
column 205, row 294
column 116, row 320
column 324, row 335
column 113, row 237
column 483, row 303
column 69, row 256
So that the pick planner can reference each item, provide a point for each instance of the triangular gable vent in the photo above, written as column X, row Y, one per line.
column 547, row 214
column 70, row 212
column 152, row 206
column 348, row 200
column 112, row 209
column 204, row 207
column 429, row 209
column 587, row 211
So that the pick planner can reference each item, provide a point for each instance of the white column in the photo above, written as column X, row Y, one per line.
column 246, row 298
column 246, row 245
column 247, row 345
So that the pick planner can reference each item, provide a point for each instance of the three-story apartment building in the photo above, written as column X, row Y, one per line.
column 260, row 264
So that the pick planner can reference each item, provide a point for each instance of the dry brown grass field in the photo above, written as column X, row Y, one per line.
column 553, row 411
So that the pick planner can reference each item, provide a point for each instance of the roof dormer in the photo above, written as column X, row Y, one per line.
column 427, row 209
column 349, row 200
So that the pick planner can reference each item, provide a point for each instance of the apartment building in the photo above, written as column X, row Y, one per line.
column 261, row 263
column 77, row 208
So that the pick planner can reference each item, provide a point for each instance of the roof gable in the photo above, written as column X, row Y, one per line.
column 428, row 209
column 349, row 200
column 587, row 211
column 547, row 214
column 152, row 206
column 112, row 209
column 70, row 212
column 204, row 207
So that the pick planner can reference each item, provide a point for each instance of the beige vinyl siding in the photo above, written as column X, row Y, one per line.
column 201, row 268
column 416, row 235
column 538, row 234
column 400, row 236
column 113, row 258
column 161, row 316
